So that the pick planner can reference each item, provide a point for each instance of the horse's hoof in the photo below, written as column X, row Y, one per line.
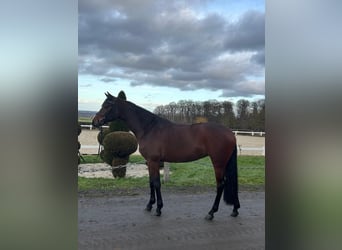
column 148, row 209
column 234, row 213
column 158, row 213
column 209, row 217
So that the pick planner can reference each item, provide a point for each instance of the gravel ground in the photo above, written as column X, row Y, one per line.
column 108, row 221
column 103, row 170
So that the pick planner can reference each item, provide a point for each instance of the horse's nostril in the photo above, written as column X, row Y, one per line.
column 96, row 122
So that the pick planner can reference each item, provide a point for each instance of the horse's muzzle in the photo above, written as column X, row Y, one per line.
column 98, row 122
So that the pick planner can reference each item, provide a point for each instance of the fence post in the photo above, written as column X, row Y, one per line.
column 166, row 171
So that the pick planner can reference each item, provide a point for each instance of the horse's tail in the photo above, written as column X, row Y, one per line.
column 231, row 181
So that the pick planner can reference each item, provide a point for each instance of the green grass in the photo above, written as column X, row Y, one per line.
column 198, row 173
column 84, row 120
column 97, row 159
column 251, row 170
column 110, row 184
column 91, row 159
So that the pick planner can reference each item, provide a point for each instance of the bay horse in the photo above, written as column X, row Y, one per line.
column 161, row 140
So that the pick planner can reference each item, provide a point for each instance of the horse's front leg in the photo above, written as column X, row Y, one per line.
column 153, row 169
column 152, row 197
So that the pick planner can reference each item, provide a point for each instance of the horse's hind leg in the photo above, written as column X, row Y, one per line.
column 219, row 191
column 215, row 207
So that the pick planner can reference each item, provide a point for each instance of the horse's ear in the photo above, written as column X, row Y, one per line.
column 108, row 95
column 122, row 95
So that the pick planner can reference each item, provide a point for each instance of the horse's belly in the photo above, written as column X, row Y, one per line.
column 184, row 158
column 183, row 153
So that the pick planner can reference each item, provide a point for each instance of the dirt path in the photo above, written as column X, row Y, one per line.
column 119, row 222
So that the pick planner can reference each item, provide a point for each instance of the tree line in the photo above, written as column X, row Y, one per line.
column 243, row 115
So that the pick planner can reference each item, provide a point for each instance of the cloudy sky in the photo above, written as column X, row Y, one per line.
column 160, row 51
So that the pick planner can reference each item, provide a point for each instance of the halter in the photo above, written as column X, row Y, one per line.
column 107, row 111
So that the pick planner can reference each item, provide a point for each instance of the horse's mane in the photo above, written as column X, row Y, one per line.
column 146, row 118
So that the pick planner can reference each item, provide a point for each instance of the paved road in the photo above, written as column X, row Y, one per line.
column 119, row 222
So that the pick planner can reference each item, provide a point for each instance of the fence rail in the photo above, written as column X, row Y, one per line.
column 236, row 132
column 91, row 126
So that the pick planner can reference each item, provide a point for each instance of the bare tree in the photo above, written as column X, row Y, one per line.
column 242, row 114
column 248, row 115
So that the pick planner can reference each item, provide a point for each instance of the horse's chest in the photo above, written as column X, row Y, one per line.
column 147, row 149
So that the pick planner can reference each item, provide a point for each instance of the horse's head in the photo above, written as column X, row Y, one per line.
column 108, row 111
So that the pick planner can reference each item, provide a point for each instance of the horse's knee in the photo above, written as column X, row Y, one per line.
column 156, row 183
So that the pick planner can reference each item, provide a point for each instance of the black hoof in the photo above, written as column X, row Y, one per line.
column 158, row 213
column 209, row 217
column 234, row 213
column 148, row 208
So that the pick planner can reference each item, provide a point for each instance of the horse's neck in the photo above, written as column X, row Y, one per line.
column 136, row 118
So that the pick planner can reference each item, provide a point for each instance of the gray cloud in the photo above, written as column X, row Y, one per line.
column 166, row 43
column 259, row 57
column 107, row 79
column 248, row 33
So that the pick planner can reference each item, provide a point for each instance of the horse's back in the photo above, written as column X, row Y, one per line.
column 201, row 133
column 178, row 142
column 214, row 129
